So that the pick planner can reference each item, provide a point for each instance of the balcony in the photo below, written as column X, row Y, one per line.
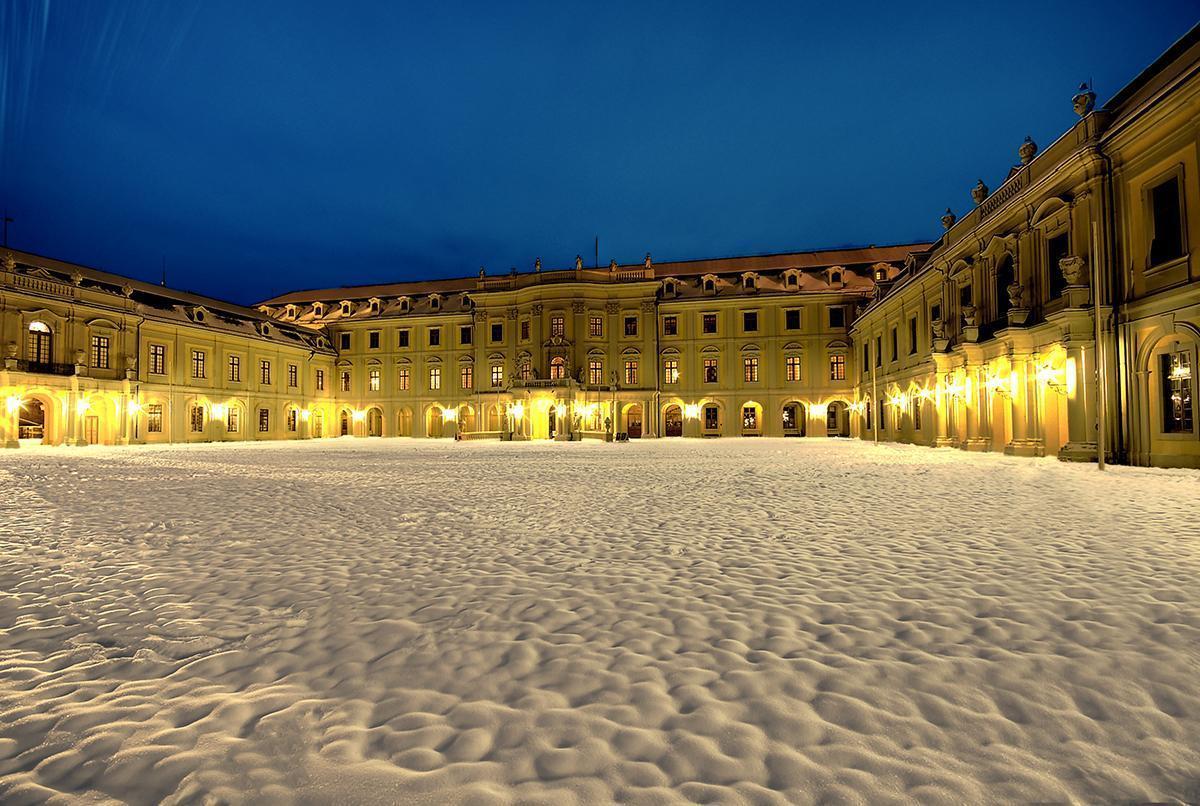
column 45, row 368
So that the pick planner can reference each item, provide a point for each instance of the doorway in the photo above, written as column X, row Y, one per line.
column 673, row 422
column 633, row 421
column 31, row 420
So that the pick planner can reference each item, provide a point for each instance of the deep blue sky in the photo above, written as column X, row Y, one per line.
column 267, row 146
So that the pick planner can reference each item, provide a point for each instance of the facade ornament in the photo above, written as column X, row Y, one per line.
column 511, row 313
column 578, row 306
column 1016, row 292
column 537, row 265
column 969, row 315
column 127, row 290
column 948, row 219
column 648, row 264
column 979, row 192
column 1084, row 101
column 1074, row 270
column 8, row 262
column 578, row 262
column 512, row 272
column 647, row 307
column 10, row 350
column 612, row 307
column 537, row 309
column 77, row 278
column 79, row 357
column 482, row 273
column 612, row 266
column 1027, row 151
column 939, row 328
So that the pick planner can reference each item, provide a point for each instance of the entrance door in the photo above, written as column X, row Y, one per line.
column 633, row 422
column 345, row 424
column 673, row 422
column 91, row 429
column 793, row 420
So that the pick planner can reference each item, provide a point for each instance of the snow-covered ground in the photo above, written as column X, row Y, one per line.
column 757, row 621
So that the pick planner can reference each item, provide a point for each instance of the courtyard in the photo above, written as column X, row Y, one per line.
column 729, row 621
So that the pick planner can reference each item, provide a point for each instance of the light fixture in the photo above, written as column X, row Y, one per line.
column 517, row 411
column 1179, row 372
column 560, row 410
column 134, row 407
column 818, row 409
column 12, row 403
column 449, row 415
column 304, row 414
column 358, row 415
column 691, row 411
column 83, row 405
column 219, row 410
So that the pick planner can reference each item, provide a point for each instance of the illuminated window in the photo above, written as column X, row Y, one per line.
column 264, row 420
column 595, row 372
column 466, row 376
column 750, row 368
column 670, row 326
column 595, row 326
column 558, row 368
column 231, row 420
column 197, row 418
column 749, row 418
column 791, row 367
column 264, row 371
column 710, row 370
column 631, row 372
column 158, row 359
column 916, row 413
column 198, row 358
column 291, row 420
column 293, row 376
column 837, row 367
column 497, row 374
column 712, row 417
column 235, row 369
column 671, row 371
column 320, row 380
column 404, row 379
column 558, row 326
column 373, row 379
column 435, row 378
column 154, row 416
column 100, row 352
column 526, row 371
column 1177, row 392
column 708, row 323
column 39, row 343
column 345, row 380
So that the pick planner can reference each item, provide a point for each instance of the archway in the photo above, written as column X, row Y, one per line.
column 837, row 419
column 404, row 422
column 673, row 421
column 795, row 419
column 495, row 417
column 466, row 419
column 318, row 424
column 751, row 415
column 31, row 421
column 375, row 422
column 434, row 422
column 633, row 420
column 345, row 426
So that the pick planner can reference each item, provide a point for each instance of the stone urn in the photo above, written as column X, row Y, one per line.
column 10, row 356
column 1083, row 101
column 1027, row 150
column 979, row 192
column 1074, row 270
column 1017, row 314
column 940, row 342
column 948, row 219
column 970, row 323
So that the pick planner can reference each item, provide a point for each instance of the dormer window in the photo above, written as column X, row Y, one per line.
column 405, row 305
column 435, row 302
column 466, row 301
column 346, row 308
column 289, row 312
column 792, row 281
column 750, row 281
column 669, row 288
column 709, row 283
column 264, row 329
column 198, row 314
column 318, row 309
column 374, row 306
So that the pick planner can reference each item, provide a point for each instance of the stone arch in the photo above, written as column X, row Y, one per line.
column 750, row 418
column 435, row 421
column 793, row 418
column 837, row 418
column 374, row 422
column 404, row 422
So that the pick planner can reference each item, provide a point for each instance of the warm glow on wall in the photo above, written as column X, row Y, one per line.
column 304, row 415
column 818, row 409
column 83, row 405
column 691, row 411
column 517, row 411
column 358, row 415
column 449, row 415
column 12, row 403
column 219, row 410
column 560, row 410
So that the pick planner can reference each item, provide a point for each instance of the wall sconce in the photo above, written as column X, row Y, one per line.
column 560, row 410
column 83, row 405
column 818, row 409
column 1048, row 376
column 134, row 407
column 691, row 411
column 304, row 415
column 358, row 415
column 449, row 415
column 218, row 410
column 12, row 403
column 517, row 411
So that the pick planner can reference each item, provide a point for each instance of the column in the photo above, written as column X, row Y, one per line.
column 1081, row 406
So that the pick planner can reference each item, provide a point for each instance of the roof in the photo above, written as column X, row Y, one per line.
column 848, row 256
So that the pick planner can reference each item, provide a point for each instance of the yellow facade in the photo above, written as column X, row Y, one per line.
column 985, row 340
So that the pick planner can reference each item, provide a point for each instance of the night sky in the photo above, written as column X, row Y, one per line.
column 270, row 146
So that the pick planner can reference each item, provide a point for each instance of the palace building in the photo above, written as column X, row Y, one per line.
column 1061, row 313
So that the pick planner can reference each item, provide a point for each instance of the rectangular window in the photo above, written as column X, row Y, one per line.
column 264, row 420
column 558, row 326
column 1057, row 248
column 670, row 326
column 866, row 362
column 373, row 340
column 154, row 418
column 100, row 352
column 631, row 372
column 912, row 336
column 791, row 319
column 671, row 371
column 935, row 312
column 345, row 380
column 708, row 322
column 293, row 376
column 373, row 378
column 158, row 359
column 867, row 414
column 595, row 326
column 631, row 325
column 231, row 420
column 595, row 372
column 198, row 358
column 497, row 375
column 749, row 418
column 964, row 295
column 791, row 367
column 879, row 351
column 264, row 371
column 895, row 344
column 916, row 413
column 464, row 334
column 837, row 318
column 711, row 418
column 435, row 378
column 750, row 368
column 1166, row 222
column 404, row 379
column 497, row 332
column 837, row 367
column 1177, row 392
column 291, row 420
column 524, row 330
column 197, row 419
column 466, row 376
column 882, row 416
column 526, row 371
column 749, row 321
column 402, row 339
column 345, row 339
column 320, row 380
column 710, row 370
column 235, row 369
column 435, row 336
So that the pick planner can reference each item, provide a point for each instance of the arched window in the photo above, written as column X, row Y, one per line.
column 40, row 343
column 558, row 368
